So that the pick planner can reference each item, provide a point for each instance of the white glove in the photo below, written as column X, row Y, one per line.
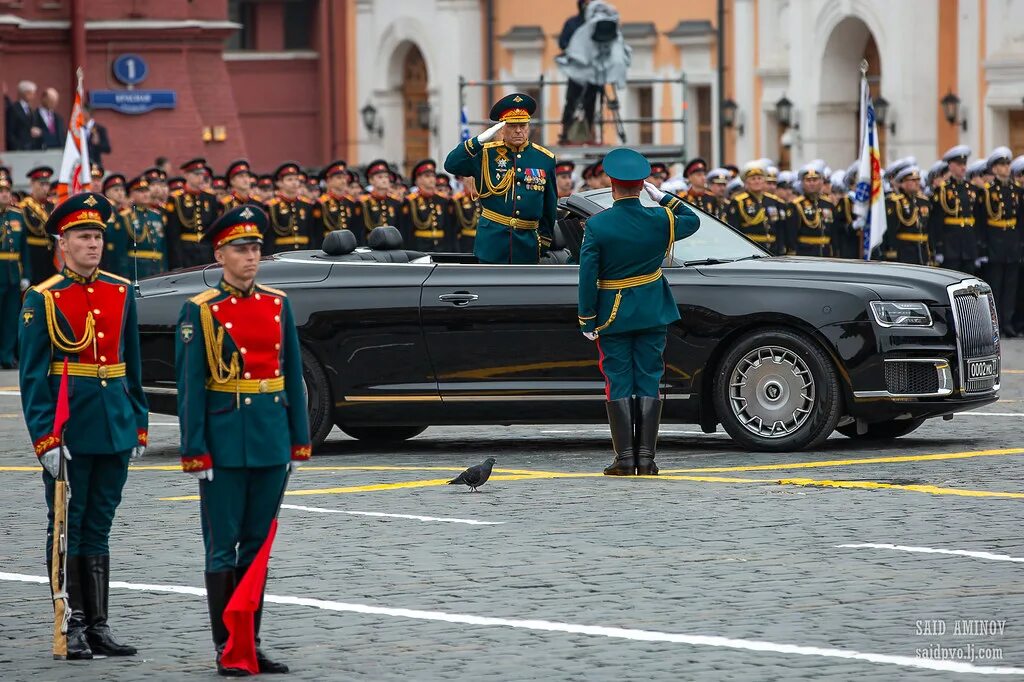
column 592, row 336
column 978, row 262
column 653, row 192
column 486, row 135
column 138, row 451
column 24, row 284
column 939, row 258
column 51, row 459
column 293, row 465
column 204, row 475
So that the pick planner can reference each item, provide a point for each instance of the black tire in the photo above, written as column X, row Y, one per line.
column 882, row 430
column 382, row 434
column 788, row 380
column 318, row 393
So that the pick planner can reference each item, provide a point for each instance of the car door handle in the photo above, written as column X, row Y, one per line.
column 458, row 298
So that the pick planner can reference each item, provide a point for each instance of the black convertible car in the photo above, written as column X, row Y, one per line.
column 781, row 351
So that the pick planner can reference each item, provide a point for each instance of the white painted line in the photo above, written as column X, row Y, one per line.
column 932, row 550
column 443, row 519
column 12, row 393
column 990, row 414
column 571, row 628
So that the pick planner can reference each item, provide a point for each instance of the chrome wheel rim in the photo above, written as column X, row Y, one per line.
column 771, row 392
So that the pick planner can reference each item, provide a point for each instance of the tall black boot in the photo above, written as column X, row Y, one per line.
column 620, row 419
column 78, row 644
column 266, row 664
column 648, row 423
column 219, row 587
column 96, row 577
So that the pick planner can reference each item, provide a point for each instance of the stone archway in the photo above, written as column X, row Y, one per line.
column 415, row 108
column 838, row 134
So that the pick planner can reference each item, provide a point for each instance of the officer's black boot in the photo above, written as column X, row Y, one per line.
column 78, row 644
column 266, row 664
column 648, row 423
column 96, row 577
column 620, row 419
column 219, row 587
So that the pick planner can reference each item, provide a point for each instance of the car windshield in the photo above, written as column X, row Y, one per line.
column 714, row 241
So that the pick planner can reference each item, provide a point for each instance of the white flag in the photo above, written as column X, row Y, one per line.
column 75, row 172
column 869, row 200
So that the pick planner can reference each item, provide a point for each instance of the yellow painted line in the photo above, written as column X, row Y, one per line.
column 10, row 388
column 871, row 485
column 848, row 462
column 1012, row 371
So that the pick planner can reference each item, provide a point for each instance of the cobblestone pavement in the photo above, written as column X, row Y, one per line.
column 722, row 575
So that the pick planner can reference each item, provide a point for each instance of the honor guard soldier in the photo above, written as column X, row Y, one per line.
column 143, row 228
column 997, row 222
column 951, row 223
column 333, row 209
column 810, row 218
column 659, row 174
column 188, row 212
column 96, row 174
column 291, row 225
column 240, row 179
column 718, row 180
column 425, row 214
column 13, row 278
column 697, row 195
column 516, row 181
column 755, row 214
column 466, row 213
column 36, row 208
column 174, row 184
column 625, row 304
column 377, row 208
column 242, row 411
column 158, row 191
column 564, row 179
column 86, row 317
column 907, row 211
column 114, row 240
column 264, row 189
column 444, row 185
column 219, row 187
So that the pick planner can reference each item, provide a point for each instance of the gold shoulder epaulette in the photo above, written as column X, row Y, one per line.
column 49, row 282
column 776, row 197
column 492, row 145
column 225, row 200
column 202, row 298
column 177, row 193
column 740, row 197
column 271, row 290
column 546, row 151
column 125, row 212
column 15, row 209
column 118, row 278
column 798, row 199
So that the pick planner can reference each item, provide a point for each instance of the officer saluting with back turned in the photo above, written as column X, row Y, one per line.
column 516, row 182
column 87, row 317
column 242, row 410
column 625, row 304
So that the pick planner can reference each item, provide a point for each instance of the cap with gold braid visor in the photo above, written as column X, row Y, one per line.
column 515, row 108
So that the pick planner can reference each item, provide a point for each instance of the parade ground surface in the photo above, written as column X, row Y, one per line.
column 851, row 561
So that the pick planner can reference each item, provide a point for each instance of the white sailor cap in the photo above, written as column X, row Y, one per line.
column 811, row 170
column 751, row 168
column 899, row 164
column 1017, row 165
column 838, row 179
column 771, row 172
column 786, row 178
column 999, row 154
column 734, row 185
column 977, row 168
column 909, row 173
column 718, row 175
column 959, row 153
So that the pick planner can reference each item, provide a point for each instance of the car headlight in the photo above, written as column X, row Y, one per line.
column 901, row 314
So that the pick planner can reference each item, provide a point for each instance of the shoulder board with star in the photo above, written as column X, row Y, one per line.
column 542, row 149
column 15, row 209
column 740, row 197
column 776, row 197
column 48, row 283
column 125, row 212
column 273, row 201
column 226, row 200
column 205, row 296
column 177, row 193
column 492, row 145
column 116, row 278
column 304, row 200
column 827, row 200
column 799, row 199
column 271, row 290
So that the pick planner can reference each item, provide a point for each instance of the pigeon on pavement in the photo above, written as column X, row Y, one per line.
column 475, row 476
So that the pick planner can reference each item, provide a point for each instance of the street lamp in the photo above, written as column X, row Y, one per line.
column 881, row 106
column 784, row 112
column 951, row 110
column 729, row 109
column 369, row 114
column 423, row 115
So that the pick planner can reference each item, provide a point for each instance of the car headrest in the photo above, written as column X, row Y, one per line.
column 385, row 238
column 339, row 243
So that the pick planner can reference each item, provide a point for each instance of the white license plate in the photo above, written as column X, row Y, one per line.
column 982, row 369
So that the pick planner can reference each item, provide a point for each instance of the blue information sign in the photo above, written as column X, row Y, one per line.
column 130, row 69
column 133, row 101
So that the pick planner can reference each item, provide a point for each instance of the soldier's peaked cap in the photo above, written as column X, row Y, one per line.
column 287, row 168
column 138, row 183
column 243, row 224
column 237, row 167
column 80, row 211
column 565, row 168
column 1017, row 165
column 909, row 173
column 378, row 166
column 957, row 153
column 424, row 166
column 696, row 165
column 195, row 165
column 334, row 168
column 114, row 180
column 1000, row 155
column 42, row 173
column 515, row 108
column 626, row 165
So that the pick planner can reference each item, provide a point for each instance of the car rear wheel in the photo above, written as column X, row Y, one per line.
column 382, row 434
column 318, row 394
column 776, row 390
column 882, row 430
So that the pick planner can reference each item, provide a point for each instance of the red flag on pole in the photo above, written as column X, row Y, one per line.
column 240, row 651
column 63, row 411
column 75, row 172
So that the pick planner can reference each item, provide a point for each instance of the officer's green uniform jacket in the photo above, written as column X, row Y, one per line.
column 40, row 245
column 92, row 322
column 13, row 261
column 518, row 198
column 250, row 409
column 621, row 286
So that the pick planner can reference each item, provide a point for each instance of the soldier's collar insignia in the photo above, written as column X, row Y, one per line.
column 187, row 331
column 27, row 315
column 90, row 201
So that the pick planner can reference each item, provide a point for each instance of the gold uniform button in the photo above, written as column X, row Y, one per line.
column 227, row 325
column 277, row 399
column 99, row 335
column 242, row 351
column 120, row 290
column 248, row 375
column 103, row 358
column 277, row 301
column 248, row 401
column 103, row 383
column 277, row 372
column 56, row 294
column 234, row 300
column 95, row 311
column 277, row 346
column 277, row 318
column 216, row 308
column 257, row 297
column 89, row 289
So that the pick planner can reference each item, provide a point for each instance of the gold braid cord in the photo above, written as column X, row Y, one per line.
column 900, row 203
column 57, row 336
column 993, row 213
column 220, row 372
column 503, row 188
column 945, row 207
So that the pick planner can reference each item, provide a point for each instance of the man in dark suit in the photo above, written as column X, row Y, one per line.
column 49, row 121
column 99, row 143
column 22, row 133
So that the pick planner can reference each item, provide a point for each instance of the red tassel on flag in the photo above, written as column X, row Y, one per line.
column 240, row 651
column 63, row 412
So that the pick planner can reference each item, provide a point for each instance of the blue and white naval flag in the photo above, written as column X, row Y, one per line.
column 464, row 124
column 869, row 200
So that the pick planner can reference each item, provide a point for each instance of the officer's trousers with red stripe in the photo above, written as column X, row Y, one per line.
column 632, row 363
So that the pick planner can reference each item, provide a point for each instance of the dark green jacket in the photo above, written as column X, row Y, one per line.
column 142, row 251
column 13, row 248
column 623, row 249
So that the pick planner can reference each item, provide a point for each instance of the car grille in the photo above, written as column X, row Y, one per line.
column 977, row 331
column 911, row 378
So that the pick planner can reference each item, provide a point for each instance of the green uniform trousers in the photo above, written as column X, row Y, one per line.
column 633, row 362
column 237, row 507
column 10, row 308
column 96, row 484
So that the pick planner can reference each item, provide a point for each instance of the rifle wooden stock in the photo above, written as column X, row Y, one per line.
column 58, row 562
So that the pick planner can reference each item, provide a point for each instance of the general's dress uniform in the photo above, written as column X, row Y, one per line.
column 334, row 211
column 518, row 195
column 997, row 223
column 810, row 222
column 626, row 302
column 292, row 226
column 465, row 212
column 40, row 246
column 759, row 218
column 143, row 227
column 426, row 217
column 13, row 260
column 906, row 237
column 188, row 213
column 952, row 220
column 91, row 323
column 242, row 410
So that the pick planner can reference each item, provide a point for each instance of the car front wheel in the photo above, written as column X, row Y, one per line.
column 776, row 390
